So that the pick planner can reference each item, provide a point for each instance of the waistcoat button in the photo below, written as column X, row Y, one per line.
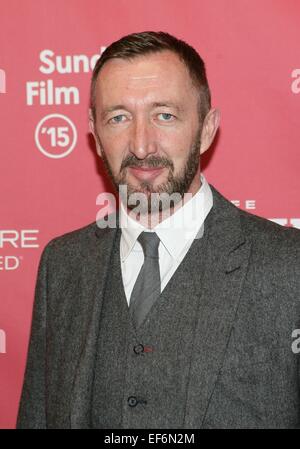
column 132, row 401
column 138, row 349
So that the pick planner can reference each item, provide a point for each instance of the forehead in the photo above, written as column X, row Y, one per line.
column 145, row 75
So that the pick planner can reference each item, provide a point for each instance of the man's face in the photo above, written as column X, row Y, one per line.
column 148, row 129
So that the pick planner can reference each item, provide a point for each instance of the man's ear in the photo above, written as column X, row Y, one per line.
column 92, row 127
column 91, row 122
column 210, row 127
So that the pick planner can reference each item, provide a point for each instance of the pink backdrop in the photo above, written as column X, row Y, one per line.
column 49, row 175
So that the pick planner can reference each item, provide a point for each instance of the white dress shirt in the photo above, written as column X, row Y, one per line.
column 176, row 234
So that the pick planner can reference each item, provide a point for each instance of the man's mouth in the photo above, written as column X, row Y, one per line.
column 146, row 173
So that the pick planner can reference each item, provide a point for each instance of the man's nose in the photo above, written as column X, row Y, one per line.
column 143, row 140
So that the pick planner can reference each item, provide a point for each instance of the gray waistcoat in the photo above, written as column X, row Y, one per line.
column 141, row 379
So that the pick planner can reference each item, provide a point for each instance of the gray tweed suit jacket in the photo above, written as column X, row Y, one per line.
column 243, row 373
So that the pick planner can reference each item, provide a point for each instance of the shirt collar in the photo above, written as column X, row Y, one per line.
column 176, row 231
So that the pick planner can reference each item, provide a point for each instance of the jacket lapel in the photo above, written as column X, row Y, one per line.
column 226, row 266
column 99, row 256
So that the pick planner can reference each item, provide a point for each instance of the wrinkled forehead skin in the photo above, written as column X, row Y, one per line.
column 158, row 77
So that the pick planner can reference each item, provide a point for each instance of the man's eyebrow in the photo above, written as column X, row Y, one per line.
column 112, row 109
column 156, row 104
column 166, row 104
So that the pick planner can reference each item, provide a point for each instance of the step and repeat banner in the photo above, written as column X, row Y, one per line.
column 50, row 176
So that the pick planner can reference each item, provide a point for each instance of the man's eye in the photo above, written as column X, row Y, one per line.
column 117, row 119
column 165, row 117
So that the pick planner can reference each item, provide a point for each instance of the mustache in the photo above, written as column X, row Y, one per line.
column 151, row 162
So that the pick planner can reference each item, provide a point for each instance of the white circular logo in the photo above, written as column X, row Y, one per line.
column 55, row 136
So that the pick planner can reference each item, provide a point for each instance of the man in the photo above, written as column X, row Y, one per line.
column 159, row 321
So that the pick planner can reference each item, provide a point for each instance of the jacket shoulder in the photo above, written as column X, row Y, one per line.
column 76, row 237
column 261, row 228
column 275, row 252
column 72, row 246
column 79, row 243
column 253, row 226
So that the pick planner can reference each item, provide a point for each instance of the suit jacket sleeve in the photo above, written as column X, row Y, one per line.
column 32, row 408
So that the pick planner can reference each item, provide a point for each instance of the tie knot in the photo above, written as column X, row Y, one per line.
column 150, row 242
